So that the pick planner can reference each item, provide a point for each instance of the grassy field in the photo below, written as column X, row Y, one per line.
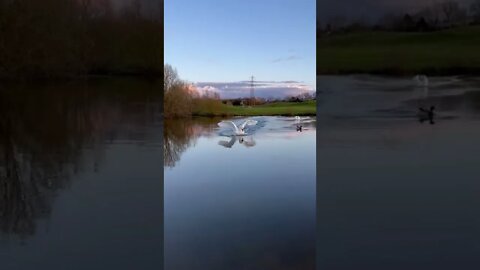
column 453, row 51
column 278, row 108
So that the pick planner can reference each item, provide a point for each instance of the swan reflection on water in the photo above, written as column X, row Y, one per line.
column 247, row 141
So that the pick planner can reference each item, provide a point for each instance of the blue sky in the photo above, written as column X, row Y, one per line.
column 231, row 40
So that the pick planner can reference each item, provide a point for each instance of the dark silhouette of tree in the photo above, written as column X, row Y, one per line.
column 422, row 25
column 453, row 13
column 408, row 24
column 475, row 11
column 63, row 38
column 431, row 15
column 437, row 16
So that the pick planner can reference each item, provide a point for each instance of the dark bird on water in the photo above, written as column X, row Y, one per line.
column 426, row 114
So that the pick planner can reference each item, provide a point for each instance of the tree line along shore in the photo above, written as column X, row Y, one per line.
column 440, row 39
column 181, row 100
column 447, row 52
column 69, row 38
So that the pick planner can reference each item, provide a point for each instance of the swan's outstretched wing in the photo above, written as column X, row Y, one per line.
column 227, row 144
column 248, row 123
column 228, row 124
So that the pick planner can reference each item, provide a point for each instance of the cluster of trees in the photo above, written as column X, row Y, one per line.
column 438, row 16
column 58, row 38
column 245, row 101
column 181, row 99
column 177, row 98
column 261, row 101
column 301, row 97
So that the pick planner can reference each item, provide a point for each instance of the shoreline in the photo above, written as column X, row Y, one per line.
column 78, row 77
column 306, row 108
column 252, row 115
column 213, row 116
column 437, row 72
column 448, row 52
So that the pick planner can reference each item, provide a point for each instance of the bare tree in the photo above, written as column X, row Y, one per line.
column 475, row 11
column 432, row 15
column 177, row 96
column 453, row 13
column 137, row 8
column 170, row 78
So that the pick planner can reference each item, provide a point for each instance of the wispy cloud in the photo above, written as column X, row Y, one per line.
column 263, row 89
column 285, row 59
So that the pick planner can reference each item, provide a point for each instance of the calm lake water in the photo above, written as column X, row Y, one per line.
column 395, row 192
column 240, row 202
column 81, row 176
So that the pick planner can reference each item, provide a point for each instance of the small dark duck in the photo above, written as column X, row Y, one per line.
column 426, row 114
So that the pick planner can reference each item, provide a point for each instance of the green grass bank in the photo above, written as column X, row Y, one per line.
column 278, row 108
column 447, row 52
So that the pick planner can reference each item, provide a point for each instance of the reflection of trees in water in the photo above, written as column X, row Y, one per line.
column 180, row 134
column 42, row 135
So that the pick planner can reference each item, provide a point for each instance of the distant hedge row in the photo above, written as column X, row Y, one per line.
column 60, row 38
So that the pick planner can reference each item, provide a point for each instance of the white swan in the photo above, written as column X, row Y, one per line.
column 301, row 119
column 421, row 80
column 240, row 130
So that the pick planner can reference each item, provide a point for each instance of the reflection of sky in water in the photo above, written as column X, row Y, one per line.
column 394, row 193
column 243, row 207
